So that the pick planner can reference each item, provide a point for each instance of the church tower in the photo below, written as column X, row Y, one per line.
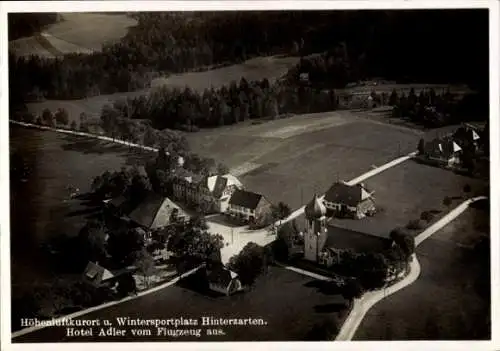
column 315, row 229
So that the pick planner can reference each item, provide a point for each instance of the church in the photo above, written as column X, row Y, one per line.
column 324, row 242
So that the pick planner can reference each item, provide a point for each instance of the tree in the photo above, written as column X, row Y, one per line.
column 123, row 244
column 126, row 285
column 280, row 211
column 393, row 99
column 145, row 266
column 93, row 238
column 249, row 263
column 73, row 125
column 467, row 189
column 191, row 240
column 47, row 117
column 427, row 216
column 447, row 201
column 404, row 240
column 421, row 147
column 352, row 289
column 62, row 116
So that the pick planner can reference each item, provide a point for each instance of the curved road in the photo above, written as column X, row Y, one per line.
column 369, row 299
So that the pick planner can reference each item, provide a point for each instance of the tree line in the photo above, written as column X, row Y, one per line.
column 188, row 110
column 170, row 42
column 435, row 110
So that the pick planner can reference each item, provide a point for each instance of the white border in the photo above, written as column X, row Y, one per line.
column 106, row 6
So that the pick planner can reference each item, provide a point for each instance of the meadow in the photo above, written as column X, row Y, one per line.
column 402, row 193
column 291, row 159
column 75, row 33
column 449, row 301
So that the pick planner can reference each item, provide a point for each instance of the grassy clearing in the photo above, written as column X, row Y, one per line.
column 76, row 33
column 279, row 297
column 91, row 30
column 448, row 301
column 258, row 68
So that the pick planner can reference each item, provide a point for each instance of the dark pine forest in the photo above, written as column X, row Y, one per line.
column 417, row 46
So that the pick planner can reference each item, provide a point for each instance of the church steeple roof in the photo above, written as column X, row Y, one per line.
column 315, row 208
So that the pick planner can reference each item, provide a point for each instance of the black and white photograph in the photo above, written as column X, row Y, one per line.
column 210, row 175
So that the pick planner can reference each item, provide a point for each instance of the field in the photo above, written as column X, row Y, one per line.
column 41, row 207
column 77, row 32
column 449, row 301
column 304, row 154
column 290, row 303
column 405, row 191
column 259, row 68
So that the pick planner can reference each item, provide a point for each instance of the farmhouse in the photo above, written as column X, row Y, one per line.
column 248, row 206
column 467, row 137
column 344, row 200
column 215, row 191
column 323, row 243
column 443, row 152
column 98, row 276
column 156, row 212
column 224, row 281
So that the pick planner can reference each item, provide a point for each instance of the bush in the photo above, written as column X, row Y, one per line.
column 352, row 289
column 426, row 216
column 414, row 224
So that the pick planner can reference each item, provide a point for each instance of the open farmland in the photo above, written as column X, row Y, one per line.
column 449, row 301
column 278, row 297
column 405, row 191
column 259, row 68
column 75, row 33
column 41, row 207
column 303, row 154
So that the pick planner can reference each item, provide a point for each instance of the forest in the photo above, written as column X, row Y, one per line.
column 408, row 46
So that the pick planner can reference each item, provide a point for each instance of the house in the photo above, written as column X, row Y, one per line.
column 344, row 200
column 445, row 152
column 323, row 243
column 215, row 191
column 467, row 137
column 249, row 207
column 224, row 281
column 98, row 276
column 156, row 212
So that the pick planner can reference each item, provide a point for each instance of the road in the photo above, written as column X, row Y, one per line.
column 363, row 305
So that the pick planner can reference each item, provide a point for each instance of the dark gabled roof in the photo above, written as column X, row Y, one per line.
column 347, row 239
column 340, row 192
column 246, row 199
column 154, row 211
column 221, row 276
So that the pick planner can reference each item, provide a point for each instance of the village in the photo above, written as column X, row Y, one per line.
column 230, row 210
